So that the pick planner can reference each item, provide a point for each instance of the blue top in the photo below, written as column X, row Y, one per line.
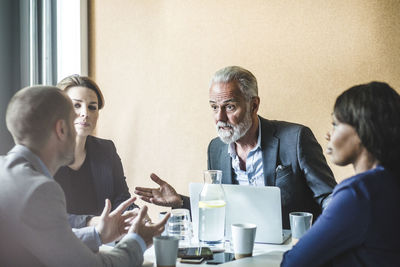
column 360, row 226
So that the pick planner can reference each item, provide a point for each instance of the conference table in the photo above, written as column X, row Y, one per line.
column 266, row 255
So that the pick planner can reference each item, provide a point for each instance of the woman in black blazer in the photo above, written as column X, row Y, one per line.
column 97, row 172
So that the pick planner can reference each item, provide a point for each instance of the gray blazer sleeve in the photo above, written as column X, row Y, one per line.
column 47, row 235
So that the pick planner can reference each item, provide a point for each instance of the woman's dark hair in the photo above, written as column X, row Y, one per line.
column 77, row 80
column 373, row 109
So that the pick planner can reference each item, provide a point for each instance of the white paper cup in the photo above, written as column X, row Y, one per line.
column 166, row 250
column 243, row 236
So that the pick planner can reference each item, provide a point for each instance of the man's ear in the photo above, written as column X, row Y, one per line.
column 61, row 129
column 255, row 103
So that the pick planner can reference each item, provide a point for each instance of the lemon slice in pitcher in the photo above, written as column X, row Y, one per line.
column 212, row 204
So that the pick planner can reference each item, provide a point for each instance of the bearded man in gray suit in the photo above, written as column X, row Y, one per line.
column 34, row 227
column 255, row 151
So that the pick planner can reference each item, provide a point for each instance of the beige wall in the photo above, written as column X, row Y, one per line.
column 153, row 60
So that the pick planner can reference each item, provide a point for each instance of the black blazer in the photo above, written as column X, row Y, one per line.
column 108, row 177
column 303, row 175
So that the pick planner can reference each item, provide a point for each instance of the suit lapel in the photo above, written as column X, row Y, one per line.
column 270, row 148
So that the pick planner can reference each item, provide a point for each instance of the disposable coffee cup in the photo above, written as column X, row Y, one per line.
column 300, row 223
column 243, row 236
column 166, row 250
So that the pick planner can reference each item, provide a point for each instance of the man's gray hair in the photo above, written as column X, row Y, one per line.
column 246, row 81
column 33, row 112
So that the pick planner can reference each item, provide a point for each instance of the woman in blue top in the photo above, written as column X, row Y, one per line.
column 360, row 227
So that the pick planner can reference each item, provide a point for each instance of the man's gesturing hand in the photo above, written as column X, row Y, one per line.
column 147, row 230
column 112, row 226
column 165, row 195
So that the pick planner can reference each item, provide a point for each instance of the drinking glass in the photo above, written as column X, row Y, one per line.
column 179, row 225
column 161, row 216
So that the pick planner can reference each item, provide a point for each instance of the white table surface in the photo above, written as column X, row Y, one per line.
column 265, row 255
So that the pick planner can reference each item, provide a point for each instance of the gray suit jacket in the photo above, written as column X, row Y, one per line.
column 303, row 175
column 34, row 228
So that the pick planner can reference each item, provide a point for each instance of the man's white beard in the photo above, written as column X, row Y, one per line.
column 236, row 131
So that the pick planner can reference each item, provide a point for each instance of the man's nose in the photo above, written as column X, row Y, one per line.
column 221, row 115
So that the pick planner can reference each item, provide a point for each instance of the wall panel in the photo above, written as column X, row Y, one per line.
column 154, row 59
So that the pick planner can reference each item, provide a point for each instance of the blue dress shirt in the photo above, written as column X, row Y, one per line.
column 254, row 174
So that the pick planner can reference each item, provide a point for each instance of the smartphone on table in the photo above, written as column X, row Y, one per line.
column 222, row 257
column 195, row 253
column 191, row 261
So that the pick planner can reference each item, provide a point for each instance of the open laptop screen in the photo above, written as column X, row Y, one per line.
column 247, row 204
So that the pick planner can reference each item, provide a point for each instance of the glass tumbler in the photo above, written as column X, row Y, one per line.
column 179, row 225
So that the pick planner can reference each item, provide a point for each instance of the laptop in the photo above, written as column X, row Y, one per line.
column 247, row 204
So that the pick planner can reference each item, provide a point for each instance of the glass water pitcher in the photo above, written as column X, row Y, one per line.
column 212, row 210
